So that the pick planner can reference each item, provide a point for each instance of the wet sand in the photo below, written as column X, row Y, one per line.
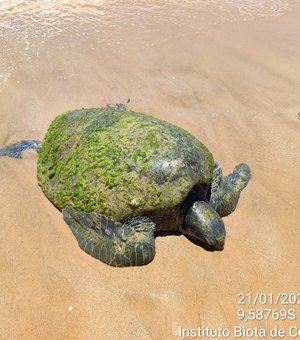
column 235, row 86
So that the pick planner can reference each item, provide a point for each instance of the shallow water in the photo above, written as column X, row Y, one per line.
column 26, row 26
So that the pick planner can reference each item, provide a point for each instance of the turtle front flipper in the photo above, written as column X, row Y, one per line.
column 117, row 244
column 15, row 150
column 226, row 190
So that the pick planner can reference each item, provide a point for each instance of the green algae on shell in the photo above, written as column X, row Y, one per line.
column 119, row 163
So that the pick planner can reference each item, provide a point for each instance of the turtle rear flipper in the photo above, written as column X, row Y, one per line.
column 114, row 243
column 15, row 150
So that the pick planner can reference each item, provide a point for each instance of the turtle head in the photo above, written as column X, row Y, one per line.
column 203, row 224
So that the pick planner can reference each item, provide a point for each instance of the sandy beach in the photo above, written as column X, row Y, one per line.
column 230, row 76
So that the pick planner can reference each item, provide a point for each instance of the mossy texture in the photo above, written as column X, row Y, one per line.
column 119, row 163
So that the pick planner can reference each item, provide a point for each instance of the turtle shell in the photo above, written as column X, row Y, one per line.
column 119, row 163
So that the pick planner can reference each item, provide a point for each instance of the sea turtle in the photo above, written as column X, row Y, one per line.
column 119, row 177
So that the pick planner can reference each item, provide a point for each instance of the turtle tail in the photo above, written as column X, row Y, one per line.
column 226, row 190
column 114, row 243
column 15, row 150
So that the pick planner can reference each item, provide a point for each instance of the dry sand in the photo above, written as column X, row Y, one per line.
column 235, row 86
